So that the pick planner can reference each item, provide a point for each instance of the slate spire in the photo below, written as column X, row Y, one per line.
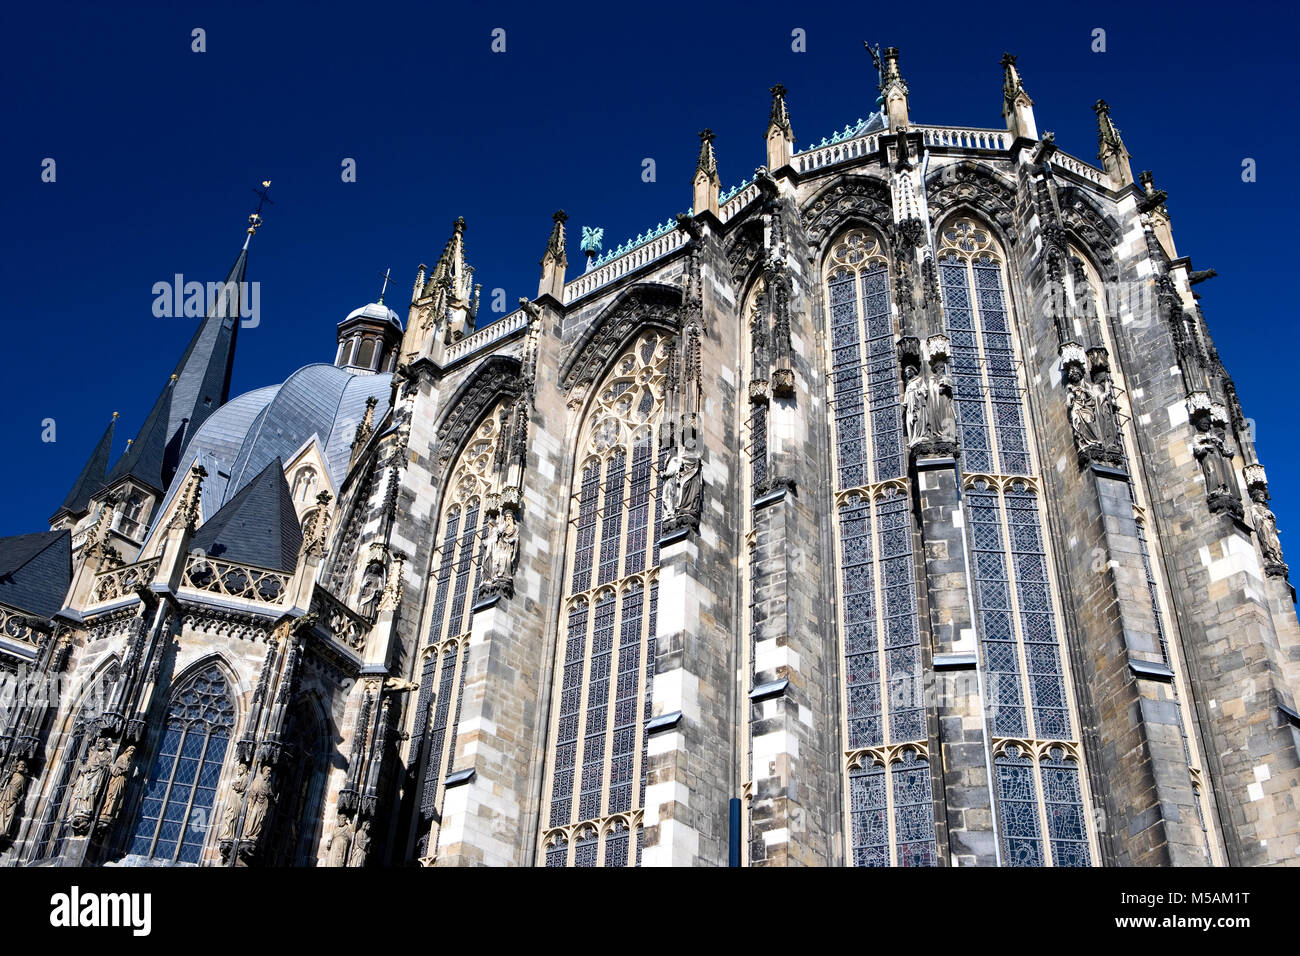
column 94, row 474
column 199, row 385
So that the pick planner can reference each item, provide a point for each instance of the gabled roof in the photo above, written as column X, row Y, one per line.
column 258, row 526
column 200, row 385
column 36, row 571
column 93, row 475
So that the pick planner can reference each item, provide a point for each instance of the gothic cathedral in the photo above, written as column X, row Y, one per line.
column 891, row 508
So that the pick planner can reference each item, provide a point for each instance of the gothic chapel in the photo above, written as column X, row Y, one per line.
column 892, row 508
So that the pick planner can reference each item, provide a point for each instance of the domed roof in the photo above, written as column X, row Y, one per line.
column 242, row 437
column 375, row 310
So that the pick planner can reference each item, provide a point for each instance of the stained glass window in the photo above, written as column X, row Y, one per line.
column 606, row 660
column 53, row 830
column 1065, row 823
column 877, row 581
column 181, row 787
column 1022, row 842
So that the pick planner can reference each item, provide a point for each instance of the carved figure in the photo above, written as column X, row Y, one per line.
column 11, row 798
column 260, row 795
column 1265, row 523
column 118, row 777
column 916, row 406
column 505, row 545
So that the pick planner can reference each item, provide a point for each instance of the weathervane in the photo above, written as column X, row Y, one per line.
column 255, row 220
column 880, row 70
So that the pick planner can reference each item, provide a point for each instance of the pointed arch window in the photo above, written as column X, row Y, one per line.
column 595, row 787
column 53, row 829
column 456, row 564
column 890, row 802
column 180, row 790
column 986, row 381
column 298, row 805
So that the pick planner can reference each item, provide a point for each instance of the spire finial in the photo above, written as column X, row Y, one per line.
column 1017, row 107
column 255, row 220
column 780, row 135
column 386, row 275
column 707, row 162
column 115, row 415
column 554, row 260
column 1110, row 146
column 893, row 90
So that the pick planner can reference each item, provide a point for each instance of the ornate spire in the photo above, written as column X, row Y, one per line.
column 1017, row 107
column 1153, row 204
column 1110, row 147
column 780, row 135
column 554, row 261
column 706, row 182
column 893, row 90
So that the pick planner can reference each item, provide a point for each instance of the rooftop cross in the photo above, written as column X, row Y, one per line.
column 386, row 275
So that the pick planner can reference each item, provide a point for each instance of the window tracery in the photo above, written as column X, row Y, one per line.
column 891, row 810
column 596, row 785
column 176, row 811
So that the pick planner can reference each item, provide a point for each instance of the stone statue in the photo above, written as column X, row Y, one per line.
column 942, row 418
column 118, row 777
column 1107, row 416
column 89, row 781
column 11, row 798
column 371, row 587
column 340, row 846
column 1082, row 405
column 690, row 486
column 260, row 795
column 670, row 486
column 360, row 845
column 240, row 782
column 505, row 545
column 226, row 831
column 1210, row 452
column 916, row 406
column 1265, row 523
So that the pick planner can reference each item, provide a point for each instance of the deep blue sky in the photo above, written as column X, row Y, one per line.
column 158, row 148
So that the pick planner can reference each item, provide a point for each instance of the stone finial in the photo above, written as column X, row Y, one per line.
column 554, row 261
column 780, row 135
column 1017, row 107
column 705, row 182
column 893, row 90
column 1110, row 147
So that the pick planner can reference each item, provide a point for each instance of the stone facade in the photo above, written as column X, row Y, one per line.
column 892, row 508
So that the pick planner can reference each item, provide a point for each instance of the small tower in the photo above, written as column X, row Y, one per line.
column 1110, row 148
column 444, row 303
column 780, row 136
column 893, row 91
column 706, row 182
column 1017, row 107
column 554, row 260
column 369, row 338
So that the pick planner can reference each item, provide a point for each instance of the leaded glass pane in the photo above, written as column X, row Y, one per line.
column 913, row 811
column 1022, row 843
column 870, row 828
column 1065, row 822
column 174, row 816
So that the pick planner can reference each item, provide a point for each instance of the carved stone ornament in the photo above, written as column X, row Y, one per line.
column 502, row 555
column 682, row 491
column 90, row 780
column 1215, row 457
column 12, row 797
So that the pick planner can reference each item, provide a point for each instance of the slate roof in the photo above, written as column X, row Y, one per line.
column 201, row 386
column 36, row 571
column 257, row 526
column 93, row 475
column 275, row 422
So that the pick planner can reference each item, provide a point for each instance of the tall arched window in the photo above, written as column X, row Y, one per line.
column 53, row 830
column 890, row 804
column 596, row 783
column 454, row 579
column 1039, row 791
column 298, row 805
column 181, row 789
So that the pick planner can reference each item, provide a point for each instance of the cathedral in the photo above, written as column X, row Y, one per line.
column 890, row 508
